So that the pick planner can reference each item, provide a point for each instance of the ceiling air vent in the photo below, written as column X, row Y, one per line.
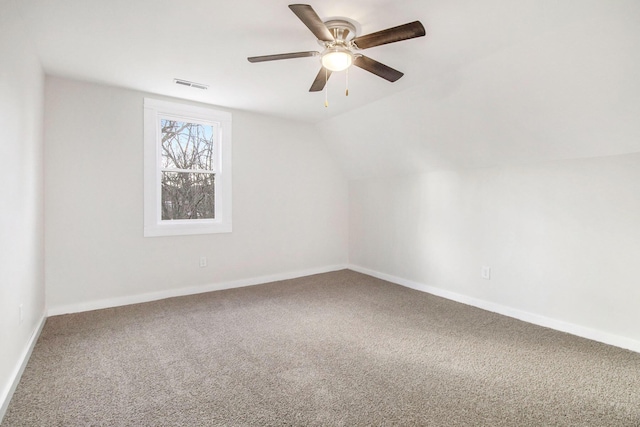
column 191, row 84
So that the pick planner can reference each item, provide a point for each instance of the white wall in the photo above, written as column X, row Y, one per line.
column 562, row 239
column 289, row 204
column 21, row 209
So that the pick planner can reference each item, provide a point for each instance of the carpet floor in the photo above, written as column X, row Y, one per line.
column 335, row 349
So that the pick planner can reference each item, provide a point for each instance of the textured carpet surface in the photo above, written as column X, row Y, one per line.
column 332, row 349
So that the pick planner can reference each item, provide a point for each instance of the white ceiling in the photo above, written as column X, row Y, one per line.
column 493, row 82
column 145, row 44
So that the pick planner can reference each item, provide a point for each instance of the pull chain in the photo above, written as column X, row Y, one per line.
column 346, row 92
column 326, row 94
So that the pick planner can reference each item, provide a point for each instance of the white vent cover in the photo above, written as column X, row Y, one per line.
column 191, row 84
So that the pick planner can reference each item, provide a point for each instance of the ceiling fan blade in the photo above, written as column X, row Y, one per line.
column 281, row 56
column 390, row 35
column 377, row 68
column 321, row 80
column 311, row 19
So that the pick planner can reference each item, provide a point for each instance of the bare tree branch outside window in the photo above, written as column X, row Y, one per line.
column 188, row 170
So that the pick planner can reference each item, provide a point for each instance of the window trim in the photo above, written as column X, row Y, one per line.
column 154, row 111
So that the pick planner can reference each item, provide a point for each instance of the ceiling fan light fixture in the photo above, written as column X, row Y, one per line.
column 337, row 58
column 342, row 45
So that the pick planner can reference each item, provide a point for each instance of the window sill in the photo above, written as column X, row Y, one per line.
column 179, row 228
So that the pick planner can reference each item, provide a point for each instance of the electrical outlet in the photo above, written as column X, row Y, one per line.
column 203, row 261
column 21, row 312
column 486, row 272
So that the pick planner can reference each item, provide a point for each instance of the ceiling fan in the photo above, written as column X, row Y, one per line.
column 342, row 45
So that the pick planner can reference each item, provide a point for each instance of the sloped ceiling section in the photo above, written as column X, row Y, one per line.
column 569, row 92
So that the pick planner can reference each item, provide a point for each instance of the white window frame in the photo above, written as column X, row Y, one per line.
column 154, row 111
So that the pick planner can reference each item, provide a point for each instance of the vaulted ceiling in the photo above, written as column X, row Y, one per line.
column 493, row 82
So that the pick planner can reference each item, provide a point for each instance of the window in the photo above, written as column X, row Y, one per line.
column 187, row 169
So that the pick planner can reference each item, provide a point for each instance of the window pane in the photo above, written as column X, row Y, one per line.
column 187, row 145
column 188, row 195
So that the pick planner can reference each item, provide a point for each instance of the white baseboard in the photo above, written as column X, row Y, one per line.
column 192, row 290
column 10, row 388
column 536, row 319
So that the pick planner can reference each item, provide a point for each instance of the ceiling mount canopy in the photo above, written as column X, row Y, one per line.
column 342, row 45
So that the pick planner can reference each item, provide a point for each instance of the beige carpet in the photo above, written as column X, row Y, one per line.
column 336, row 349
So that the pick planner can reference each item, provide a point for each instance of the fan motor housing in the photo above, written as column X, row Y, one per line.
column 343, row 31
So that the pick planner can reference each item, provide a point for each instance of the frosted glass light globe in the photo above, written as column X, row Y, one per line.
column 337, row 58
